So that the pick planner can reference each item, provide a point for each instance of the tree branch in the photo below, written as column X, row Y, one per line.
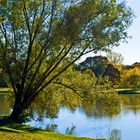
column 50, row 70
column 47, row 41
column 69, row 87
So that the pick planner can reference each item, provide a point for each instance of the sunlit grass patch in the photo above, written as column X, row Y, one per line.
column 6, row 90
column 23, row 132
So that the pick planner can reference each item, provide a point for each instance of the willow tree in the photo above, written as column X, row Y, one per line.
column 40, row 39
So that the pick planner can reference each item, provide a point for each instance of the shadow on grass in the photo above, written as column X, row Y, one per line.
column 25, row 128
column 8, row 130
column 13, row 125
column 5, row 121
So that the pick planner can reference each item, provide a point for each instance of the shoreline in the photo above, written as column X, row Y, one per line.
column 24, row 132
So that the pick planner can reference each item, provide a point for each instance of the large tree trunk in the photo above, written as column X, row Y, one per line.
column 17, row 109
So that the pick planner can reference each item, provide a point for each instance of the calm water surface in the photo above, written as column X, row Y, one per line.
column 4, row 105
column 124, row 126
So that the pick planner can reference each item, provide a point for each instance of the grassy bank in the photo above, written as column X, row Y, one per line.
column 22, row 132
column 6, row 90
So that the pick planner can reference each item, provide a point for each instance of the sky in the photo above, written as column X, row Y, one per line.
column 131, row 50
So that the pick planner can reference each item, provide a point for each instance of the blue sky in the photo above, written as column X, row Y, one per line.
column 131, row 50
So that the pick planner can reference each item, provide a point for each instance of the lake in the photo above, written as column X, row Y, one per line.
column 4, row 105
column 123, row 126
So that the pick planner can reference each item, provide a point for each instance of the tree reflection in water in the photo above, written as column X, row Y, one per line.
column 106, row 104
column 131, row 102
column 71, row 130
column 115, row 135
column 99, row 109
column 51, row 127
column 97, row 105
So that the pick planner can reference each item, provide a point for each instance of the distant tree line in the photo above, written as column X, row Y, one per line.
column 101, row 67
column 124, row 76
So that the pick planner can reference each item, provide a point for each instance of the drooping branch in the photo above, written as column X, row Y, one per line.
column 68, row 87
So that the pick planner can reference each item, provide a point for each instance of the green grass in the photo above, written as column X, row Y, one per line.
column 23, row 132
column 6, row 90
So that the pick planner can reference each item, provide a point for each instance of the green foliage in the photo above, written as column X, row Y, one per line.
column 101, row 67
column 115, row 58
column 39, row 40
column 68, row 90
column 113, row 73
column 2, row 82
column 103, row 104
column 103, row 84
column 108, row 104
column 130, row 78
column 97, row 64
column 83, row 91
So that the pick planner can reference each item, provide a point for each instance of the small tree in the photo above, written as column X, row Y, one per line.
column 37, row 37
column 130, row 78
column 114, row 57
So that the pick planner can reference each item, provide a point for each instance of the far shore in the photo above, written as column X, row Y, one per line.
column 128, row 91
column 118, row 90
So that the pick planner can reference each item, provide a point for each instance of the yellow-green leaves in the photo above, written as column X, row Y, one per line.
column 61, row 31
column 1, row 19
column 38, row 20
